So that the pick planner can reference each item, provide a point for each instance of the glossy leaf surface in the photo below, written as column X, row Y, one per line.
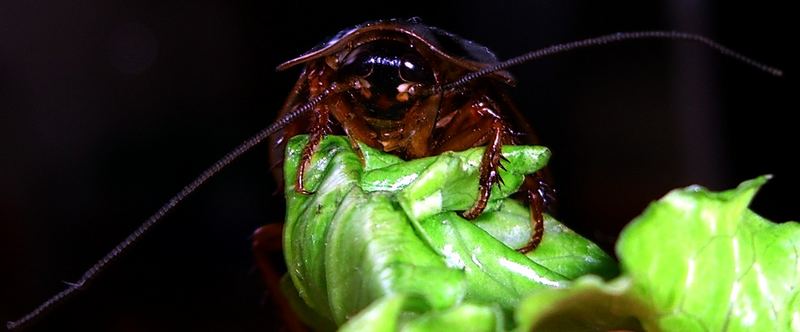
column 385, row 235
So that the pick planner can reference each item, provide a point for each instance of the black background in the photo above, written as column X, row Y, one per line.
column 108, row 107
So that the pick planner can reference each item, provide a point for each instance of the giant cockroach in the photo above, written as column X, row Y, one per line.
column 406, row 88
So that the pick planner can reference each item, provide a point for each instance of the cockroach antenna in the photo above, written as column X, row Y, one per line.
column 132, row 239
column 602, row 40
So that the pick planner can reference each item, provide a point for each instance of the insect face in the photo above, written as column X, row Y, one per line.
column 387, row 72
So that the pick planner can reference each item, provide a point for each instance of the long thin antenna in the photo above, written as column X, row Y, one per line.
column 126, row 244
column 606, row 39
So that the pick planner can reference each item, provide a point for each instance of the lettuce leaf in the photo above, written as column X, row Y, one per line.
column 695, row 260
column 380, row 245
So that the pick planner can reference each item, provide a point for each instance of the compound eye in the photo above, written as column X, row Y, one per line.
column 412, row 69
column 358, row 63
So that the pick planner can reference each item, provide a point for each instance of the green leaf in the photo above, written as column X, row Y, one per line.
column 588, row 304
column 372, row 251
column 384, row 315
column 409, row 314
column 385, row 235
column 495, row 273
column 379, row 246
column 464, row 317
column 561, row 251
column 333, row 173
column 693, row 261
column 703, row 259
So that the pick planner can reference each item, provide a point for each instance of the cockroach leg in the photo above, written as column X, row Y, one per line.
column 357, row 149
column 489, row 174
column 267, row 250
column 536, row 203
column 319, row 129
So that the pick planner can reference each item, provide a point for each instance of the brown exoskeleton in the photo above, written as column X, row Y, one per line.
column 402, row 87
column 387, row 69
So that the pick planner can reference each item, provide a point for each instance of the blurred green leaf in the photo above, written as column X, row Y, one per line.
column 589, row 304
column 408, row 314
column 704, row 260
column 693, row 261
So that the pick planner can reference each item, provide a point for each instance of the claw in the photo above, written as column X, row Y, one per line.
column 318, row 132
column 537, row 221
column 357, row 149
column 303, row 191
column 299, row 186
column 471, row 214
column 488, row 171
column 527, row 248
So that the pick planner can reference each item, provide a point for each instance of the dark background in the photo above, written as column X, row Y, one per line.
column 108, row 107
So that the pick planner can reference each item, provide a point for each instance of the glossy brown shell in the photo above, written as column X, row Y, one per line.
column 459, row 51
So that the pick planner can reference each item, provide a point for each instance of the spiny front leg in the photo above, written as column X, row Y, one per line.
column 489, row 174
column 535, row 187
column 319, row 129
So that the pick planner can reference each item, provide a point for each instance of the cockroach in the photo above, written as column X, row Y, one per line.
column 403, row 87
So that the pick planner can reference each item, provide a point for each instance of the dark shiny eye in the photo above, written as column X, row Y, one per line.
column 413, row 69
column 357, row 63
